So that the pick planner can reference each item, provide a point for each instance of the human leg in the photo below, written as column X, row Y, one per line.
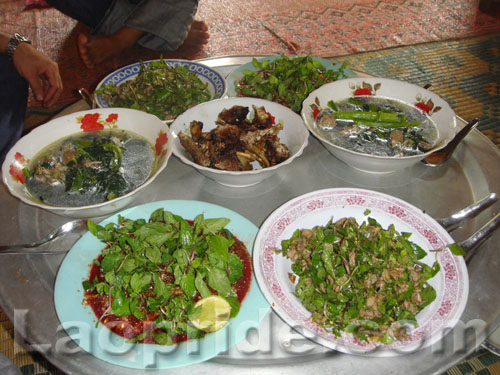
column 198, row 34
column 13, row 102
column 97, row 48
column 88, row 12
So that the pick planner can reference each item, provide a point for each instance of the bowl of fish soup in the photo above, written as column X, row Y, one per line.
column 378, row 125
column 89, row 163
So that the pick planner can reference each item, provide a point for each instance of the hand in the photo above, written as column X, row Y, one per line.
column 41, row 72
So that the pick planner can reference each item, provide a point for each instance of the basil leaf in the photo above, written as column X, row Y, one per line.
column 457, row 250
column 111, row 262
column 235, row 305
column 201, row 286
column 217, row 279
column 140, row 282
column 153, row 254
column 88, row 285
column 162, row 338
column 160, row 289
column 120, row 304
column 218, row 248
column 137, row 338
column 235, row 266
column 187, row 284
column 154, row 233
column 134, row 309
column 213, row 226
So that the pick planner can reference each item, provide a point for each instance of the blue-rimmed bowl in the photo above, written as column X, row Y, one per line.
column 217, row 85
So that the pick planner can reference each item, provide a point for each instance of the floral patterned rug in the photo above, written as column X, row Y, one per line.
column 324, row 28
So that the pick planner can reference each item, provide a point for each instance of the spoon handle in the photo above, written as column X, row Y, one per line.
column 68, row 227
column 472, row 243
column 461, row 135
column 453, row 222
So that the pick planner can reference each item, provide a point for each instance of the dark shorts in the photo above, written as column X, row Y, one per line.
column 13, row 102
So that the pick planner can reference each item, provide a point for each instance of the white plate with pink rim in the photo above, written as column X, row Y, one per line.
column 317, row 208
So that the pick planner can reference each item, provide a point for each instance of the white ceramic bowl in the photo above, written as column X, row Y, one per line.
column 217, row 85
column 444, row 118
column 143, row 124
column 294, row 135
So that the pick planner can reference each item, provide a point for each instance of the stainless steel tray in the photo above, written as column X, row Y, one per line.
column 27, row 281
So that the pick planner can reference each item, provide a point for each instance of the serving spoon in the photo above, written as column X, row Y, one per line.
column 89, row 99
column 68, row 227
column 452, row 222
column 471, row 244
column 441, row 156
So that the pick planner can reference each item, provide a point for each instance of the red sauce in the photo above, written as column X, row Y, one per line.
column 130, row 326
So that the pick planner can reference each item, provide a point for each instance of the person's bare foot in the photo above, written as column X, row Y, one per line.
column 198, row 35
column 95, row 49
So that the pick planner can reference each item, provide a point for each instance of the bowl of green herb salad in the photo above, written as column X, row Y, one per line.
column 164, row 88
column 378, row 125
column 287, row 80
column 361, row 272
column 89, row 163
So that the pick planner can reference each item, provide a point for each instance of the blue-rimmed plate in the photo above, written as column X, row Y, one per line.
column 492, row 343
column 236, row 75
column 216, row 82
column 79, row 320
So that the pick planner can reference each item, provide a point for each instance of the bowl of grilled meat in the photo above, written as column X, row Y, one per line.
column 239, row 142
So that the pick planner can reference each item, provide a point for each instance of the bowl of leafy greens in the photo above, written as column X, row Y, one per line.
column 89, row 163
column 164, row 88
column 287, row 80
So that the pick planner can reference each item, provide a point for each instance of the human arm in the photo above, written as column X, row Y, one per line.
column 41, row 72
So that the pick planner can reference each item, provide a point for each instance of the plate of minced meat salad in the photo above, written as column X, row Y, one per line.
column 361, row 272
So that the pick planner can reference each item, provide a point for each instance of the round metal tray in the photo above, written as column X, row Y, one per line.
column 27, row 281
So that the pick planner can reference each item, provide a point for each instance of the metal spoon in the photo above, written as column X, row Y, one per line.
column 440, row 156
column 472, row 243
column 453, row 222
column 58, row 232
column 89, row 99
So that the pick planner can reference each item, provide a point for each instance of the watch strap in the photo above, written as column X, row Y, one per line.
column 13, row 43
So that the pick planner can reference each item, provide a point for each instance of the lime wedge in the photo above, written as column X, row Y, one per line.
column 215, row 313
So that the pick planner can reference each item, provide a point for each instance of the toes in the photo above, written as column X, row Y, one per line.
column 200, row 25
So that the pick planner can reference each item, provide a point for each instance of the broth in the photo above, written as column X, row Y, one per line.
column 91, row 168
column 378, row 140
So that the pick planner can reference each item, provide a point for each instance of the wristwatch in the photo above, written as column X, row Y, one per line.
column 13, row 43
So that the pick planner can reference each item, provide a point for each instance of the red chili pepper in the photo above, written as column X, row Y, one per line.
column 160, row 142
column 273, row 119
column 112, row 117
column 362, row 92
column 423, row 107
column 89, row 122
column 315, row 112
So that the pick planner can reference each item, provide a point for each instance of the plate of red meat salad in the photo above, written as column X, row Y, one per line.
column 129, row 290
